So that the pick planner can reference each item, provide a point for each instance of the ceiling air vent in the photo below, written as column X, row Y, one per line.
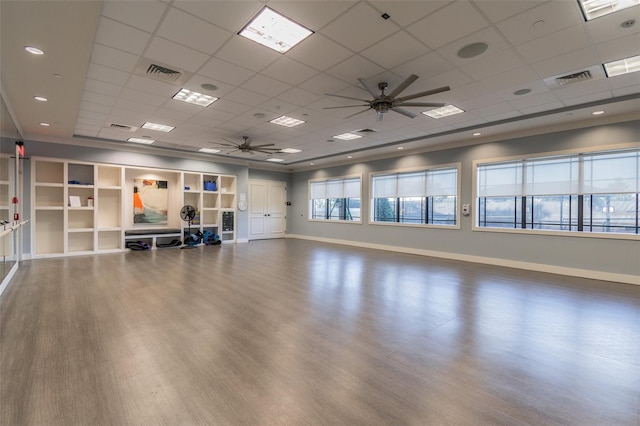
column 574, row 78
column 163, row 72
column 122, row 127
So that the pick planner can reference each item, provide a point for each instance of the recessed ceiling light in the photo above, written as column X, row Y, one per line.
column 596, row 8
column 597, row 112
column 348, row 156
column 444, row 111
column 209, row 86
column 274, row 31
column 312, row 164
column 158, row 127
column 34, row 50
column 290, row 150
column 57, row 75
column 141, row 140
column 275, row 160
column 347, row 136
column 400, row 147
column 40, row 98
column 477, row 134
column 287, row 121
column 622, row 66
column 45, row 124
column 186, row 95
column 209, row 150
column 472, row 50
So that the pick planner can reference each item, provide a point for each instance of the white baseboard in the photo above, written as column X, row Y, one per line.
column 8, row 277
column 242, row 240
column 538, row 267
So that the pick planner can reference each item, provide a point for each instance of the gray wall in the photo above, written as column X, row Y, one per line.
column 599, row 254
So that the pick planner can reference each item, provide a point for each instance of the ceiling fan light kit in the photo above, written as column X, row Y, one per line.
column 383, row 103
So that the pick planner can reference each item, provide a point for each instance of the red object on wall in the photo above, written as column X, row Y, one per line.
column 16, row 216
column 14, row 200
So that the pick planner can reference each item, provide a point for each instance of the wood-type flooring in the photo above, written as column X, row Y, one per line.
column 293, row 332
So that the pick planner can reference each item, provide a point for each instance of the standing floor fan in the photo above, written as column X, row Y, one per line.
column 187, row 213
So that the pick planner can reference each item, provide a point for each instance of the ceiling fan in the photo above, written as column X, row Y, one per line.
column 383, row 103
column 247, row 147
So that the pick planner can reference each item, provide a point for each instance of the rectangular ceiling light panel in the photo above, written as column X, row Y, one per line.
column 347, row 136
column 141, row 140
column 209, row 150
column 623, row 66
column 196, row 98
column 596, row 8
column 158, row 127
column 444, row 111
column 290, row 150
column 287, row 121
column 275, row 160
column 275, row 31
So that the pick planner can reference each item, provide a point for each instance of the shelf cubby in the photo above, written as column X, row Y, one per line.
column 49, row 172
column 109, row 177
column 192, row 199
column 227, row 201
column 80, row 174
column 80, row 218
column 109, row 239
column 227, row 184
column 192, row 181
column 49, row 225
column 49, row 196
column 209, row 216
column 109, row 208
column 80, row 241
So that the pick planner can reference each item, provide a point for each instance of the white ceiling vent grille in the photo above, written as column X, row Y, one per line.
column 574, row 78
column 558, row 81
column 123, row 127
column 163, row 72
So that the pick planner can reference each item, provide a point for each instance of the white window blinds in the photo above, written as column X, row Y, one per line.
column 611, row 173
column 429, row 183
column 335, row 188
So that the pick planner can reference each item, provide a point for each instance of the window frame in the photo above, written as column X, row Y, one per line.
column 541, row 156
column 310, row 217
column 457, row 166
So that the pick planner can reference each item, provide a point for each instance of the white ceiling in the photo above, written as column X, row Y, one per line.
column 96, row 48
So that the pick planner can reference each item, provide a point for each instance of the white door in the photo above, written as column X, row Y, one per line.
column 267, row 210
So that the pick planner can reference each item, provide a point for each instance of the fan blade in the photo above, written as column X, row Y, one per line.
column 425, row 93
column 260, row 146
column 421, row 104
column 346, row 97
column 265, row 152
column 360, row 112
column 403, row 86
column 345, row 106
column 403, row 112
column 369, row 88
column 223, row 144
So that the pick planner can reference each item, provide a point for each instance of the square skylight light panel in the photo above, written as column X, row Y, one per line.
column 623, row 66
column 275, row 160
column 209, row 150
column 347, row 136
column 290, row 150
column 287, row 121
column 275, row 31
column 158, row 127
column 596, row 8
column 196, row 98
column 141, row 140
column 444, row 111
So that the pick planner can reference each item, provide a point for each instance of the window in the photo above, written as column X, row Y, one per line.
column 426, row 197
column 591, row 192
column 335, row 199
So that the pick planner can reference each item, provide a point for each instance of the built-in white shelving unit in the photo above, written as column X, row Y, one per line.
column 98, row 223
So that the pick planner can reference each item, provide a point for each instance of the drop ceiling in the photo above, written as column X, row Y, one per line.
column 92, row 73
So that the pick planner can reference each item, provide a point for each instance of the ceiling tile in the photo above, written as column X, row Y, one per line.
column 144, row 15
column 425, row 66
column 114, row 58
column 163, row 114
column 555, row 44
column 90, row 122
column 460, row 93
column 534, row 100
column 265, row 85
column 289, row 71
column 592, row 97
column 184, row 107
column 120, row 36
column 624, row 80
column 142, row 97
column 619, row 48
column 359, row 28
column 298, row 96
column 229, row 105
column 394, row 50
column 195, row 83
column 628, row 90
column 311, row 14
column 248, row 54
column 436, row 30
column 107, row 74
column 188, row 30
column 541, row 108
column 353, row 68
column 215, row 114
column 320, row 52
column 454, row 78
column 323, row 83
column 175, row 55
column 91, row 107
column 220, row 70
column 246, row 97
column 150, row 85
column 543, row 20
column 566, row 63
column 230, row 15
column 581, row 89
column 407, row 12
column 98, row 98
column 96, row 116
column 102, row 88
column 486, row 66
column 133, row 105
column 274, row 108
column 509, row 79
column 536, row 87
column 609, row 27
column 497, row 11
column 114, row 134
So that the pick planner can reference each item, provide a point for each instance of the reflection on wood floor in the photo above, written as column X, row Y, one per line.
column 297, row 332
